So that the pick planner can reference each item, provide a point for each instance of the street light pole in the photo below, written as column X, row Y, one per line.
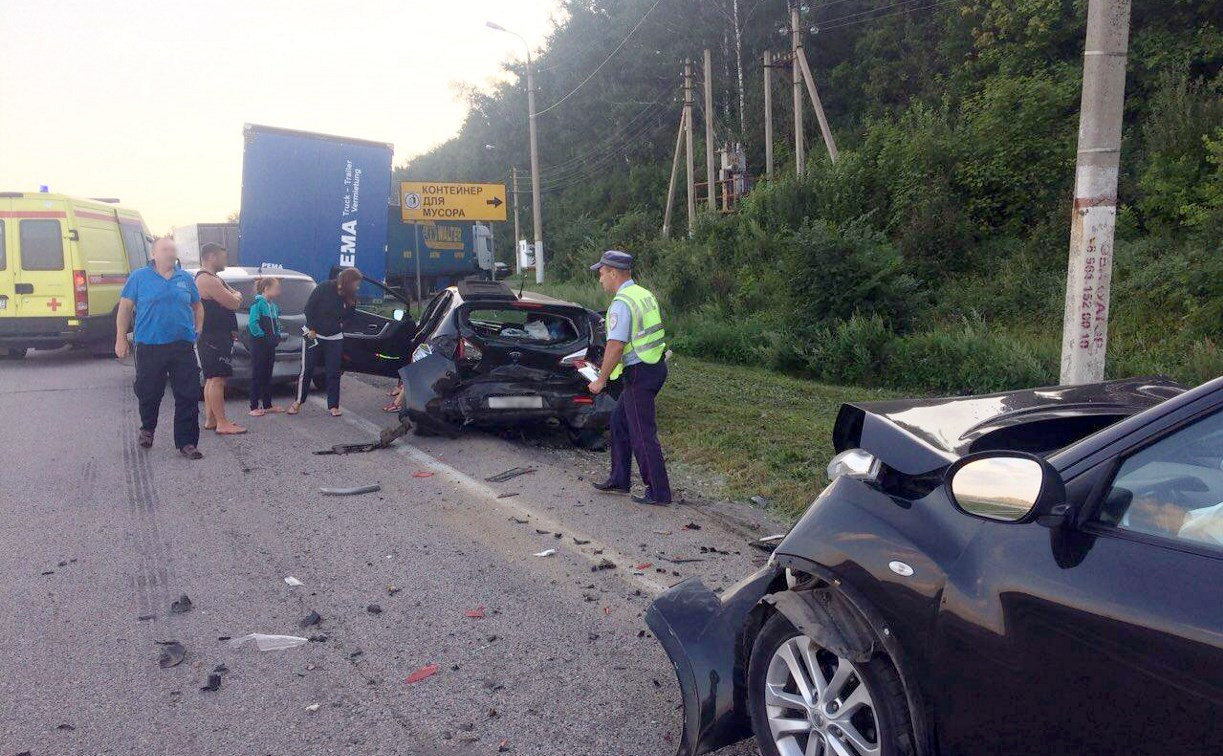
column 536, row 212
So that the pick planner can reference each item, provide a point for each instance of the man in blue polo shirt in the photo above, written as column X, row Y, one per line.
column 169, row 318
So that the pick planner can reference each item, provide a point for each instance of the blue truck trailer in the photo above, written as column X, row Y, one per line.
column 312, row 202
column 448, row 251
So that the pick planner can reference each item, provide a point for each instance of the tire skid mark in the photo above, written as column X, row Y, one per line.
column 153, row 572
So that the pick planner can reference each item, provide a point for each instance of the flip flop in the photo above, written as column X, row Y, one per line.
column 240, row 430
column 335, row 412
column 392, row 407
column 257, row 412
column 293, row 409
column 275, row 410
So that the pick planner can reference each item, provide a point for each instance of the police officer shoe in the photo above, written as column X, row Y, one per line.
column 145, row 439
column 649, row 500
column 190, row 452
column 609, row 488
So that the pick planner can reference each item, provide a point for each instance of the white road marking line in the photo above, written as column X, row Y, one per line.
column 513, row 506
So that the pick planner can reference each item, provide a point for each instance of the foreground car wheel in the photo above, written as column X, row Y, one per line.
column 807, row 701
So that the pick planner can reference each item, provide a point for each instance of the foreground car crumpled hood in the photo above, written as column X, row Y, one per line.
column 916, row 436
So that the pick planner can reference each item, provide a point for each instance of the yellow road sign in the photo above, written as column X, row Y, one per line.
column 433, row 200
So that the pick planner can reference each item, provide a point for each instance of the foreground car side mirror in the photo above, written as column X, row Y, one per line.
column 1007, row 487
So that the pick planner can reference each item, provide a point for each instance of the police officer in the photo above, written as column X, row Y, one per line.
column 636, row 344
column 169, row 318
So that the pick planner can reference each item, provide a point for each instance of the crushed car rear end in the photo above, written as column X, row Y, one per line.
column 497, row 359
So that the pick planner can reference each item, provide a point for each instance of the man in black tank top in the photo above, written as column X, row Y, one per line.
column 216, row 342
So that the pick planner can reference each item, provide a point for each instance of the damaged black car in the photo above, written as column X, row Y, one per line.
column 1038, row 571
column 487, row 357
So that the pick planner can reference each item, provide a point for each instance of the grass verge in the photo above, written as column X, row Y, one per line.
column 760, row 433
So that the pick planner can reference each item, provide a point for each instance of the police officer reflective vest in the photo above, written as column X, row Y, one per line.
column 647, row 337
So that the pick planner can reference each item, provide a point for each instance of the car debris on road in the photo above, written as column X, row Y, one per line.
column 269, row 642
column 353, row 491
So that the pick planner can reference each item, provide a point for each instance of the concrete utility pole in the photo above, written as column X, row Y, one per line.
column 517, row 235
column 537, row 216
column 679, row 141
column 768, row 114
column 826, row 132
column 800, row 159
column 710, row 177
column 1094, row 217
column 688, row 138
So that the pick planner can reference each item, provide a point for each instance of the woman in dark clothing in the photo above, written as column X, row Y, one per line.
column 330, row 306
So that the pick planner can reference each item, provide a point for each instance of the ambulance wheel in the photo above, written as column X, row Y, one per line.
column 16, row 353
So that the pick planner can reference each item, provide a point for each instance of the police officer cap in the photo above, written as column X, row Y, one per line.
column 614, row 258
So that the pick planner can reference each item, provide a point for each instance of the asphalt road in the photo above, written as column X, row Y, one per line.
column 96, row 533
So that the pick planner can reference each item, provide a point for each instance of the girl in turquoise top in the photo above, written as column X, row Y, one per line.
column 264, row 326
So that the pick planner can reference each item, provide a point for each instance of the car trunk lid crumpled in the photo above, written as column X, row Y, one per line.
column 508, row 360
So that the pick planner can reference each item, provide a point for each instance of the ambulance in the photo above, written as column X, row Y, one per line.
column 63, row 262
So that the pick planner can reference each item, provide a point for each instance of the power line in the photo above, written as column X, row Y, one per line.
column 605, row 60
column 888, row 15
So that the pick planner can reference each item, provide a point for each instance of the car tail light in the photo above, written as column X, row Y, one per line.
column 80, row 292
column 572, row 360
column 855, row 463
column 467, row 351
column 583, row 400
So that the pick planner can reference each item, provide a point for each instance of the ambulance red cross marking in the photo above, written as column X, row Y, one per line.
column 53, row 303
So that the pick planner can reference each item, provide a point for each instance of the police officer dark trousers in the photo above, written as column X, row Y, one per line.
column 636, row 345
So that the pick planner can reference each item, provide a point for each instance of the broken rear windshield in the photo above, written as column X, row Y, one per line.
column 525, row 326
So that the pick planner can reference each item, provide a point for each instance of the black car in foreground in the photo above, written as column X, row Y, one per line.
column 1037, row 572
column 486, row 356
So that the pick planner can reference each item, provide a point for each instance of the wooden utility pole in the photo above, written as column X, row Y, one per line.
column 1093, row 220
column 710, row 176
column 800, row 158
column 829, row 142
column 688, row 138
column 768, row 114
column 517, row 236
column 679, row 141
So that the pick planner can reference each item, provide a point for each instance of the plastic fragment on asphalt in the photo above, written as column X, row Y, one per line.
column 760, row 501
column 392, row 589
column 422, row 474
column 293, row 581
column 507, row 495
column 374, row 609
column 513, row 472
column 312, row 707
column 214, row 682
column 580, row 542
column 144, row 617
column 644, row 566
column 172, row 654
column 543, row 532
column 605, row 564
column 546, row 553
column 182, row 606
column 353, row 491
column 429, row 670
column 518, row 521
column 312, row 618
column 503, row 746
column 692, row 526
column 270, row 642
column 477, row 613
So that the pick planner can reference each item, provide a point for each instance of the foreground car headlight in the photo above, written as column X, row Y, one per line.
column 856, row 463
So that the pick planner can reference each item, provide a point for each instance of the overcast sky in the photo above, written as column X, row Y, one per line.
column 144, row 100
